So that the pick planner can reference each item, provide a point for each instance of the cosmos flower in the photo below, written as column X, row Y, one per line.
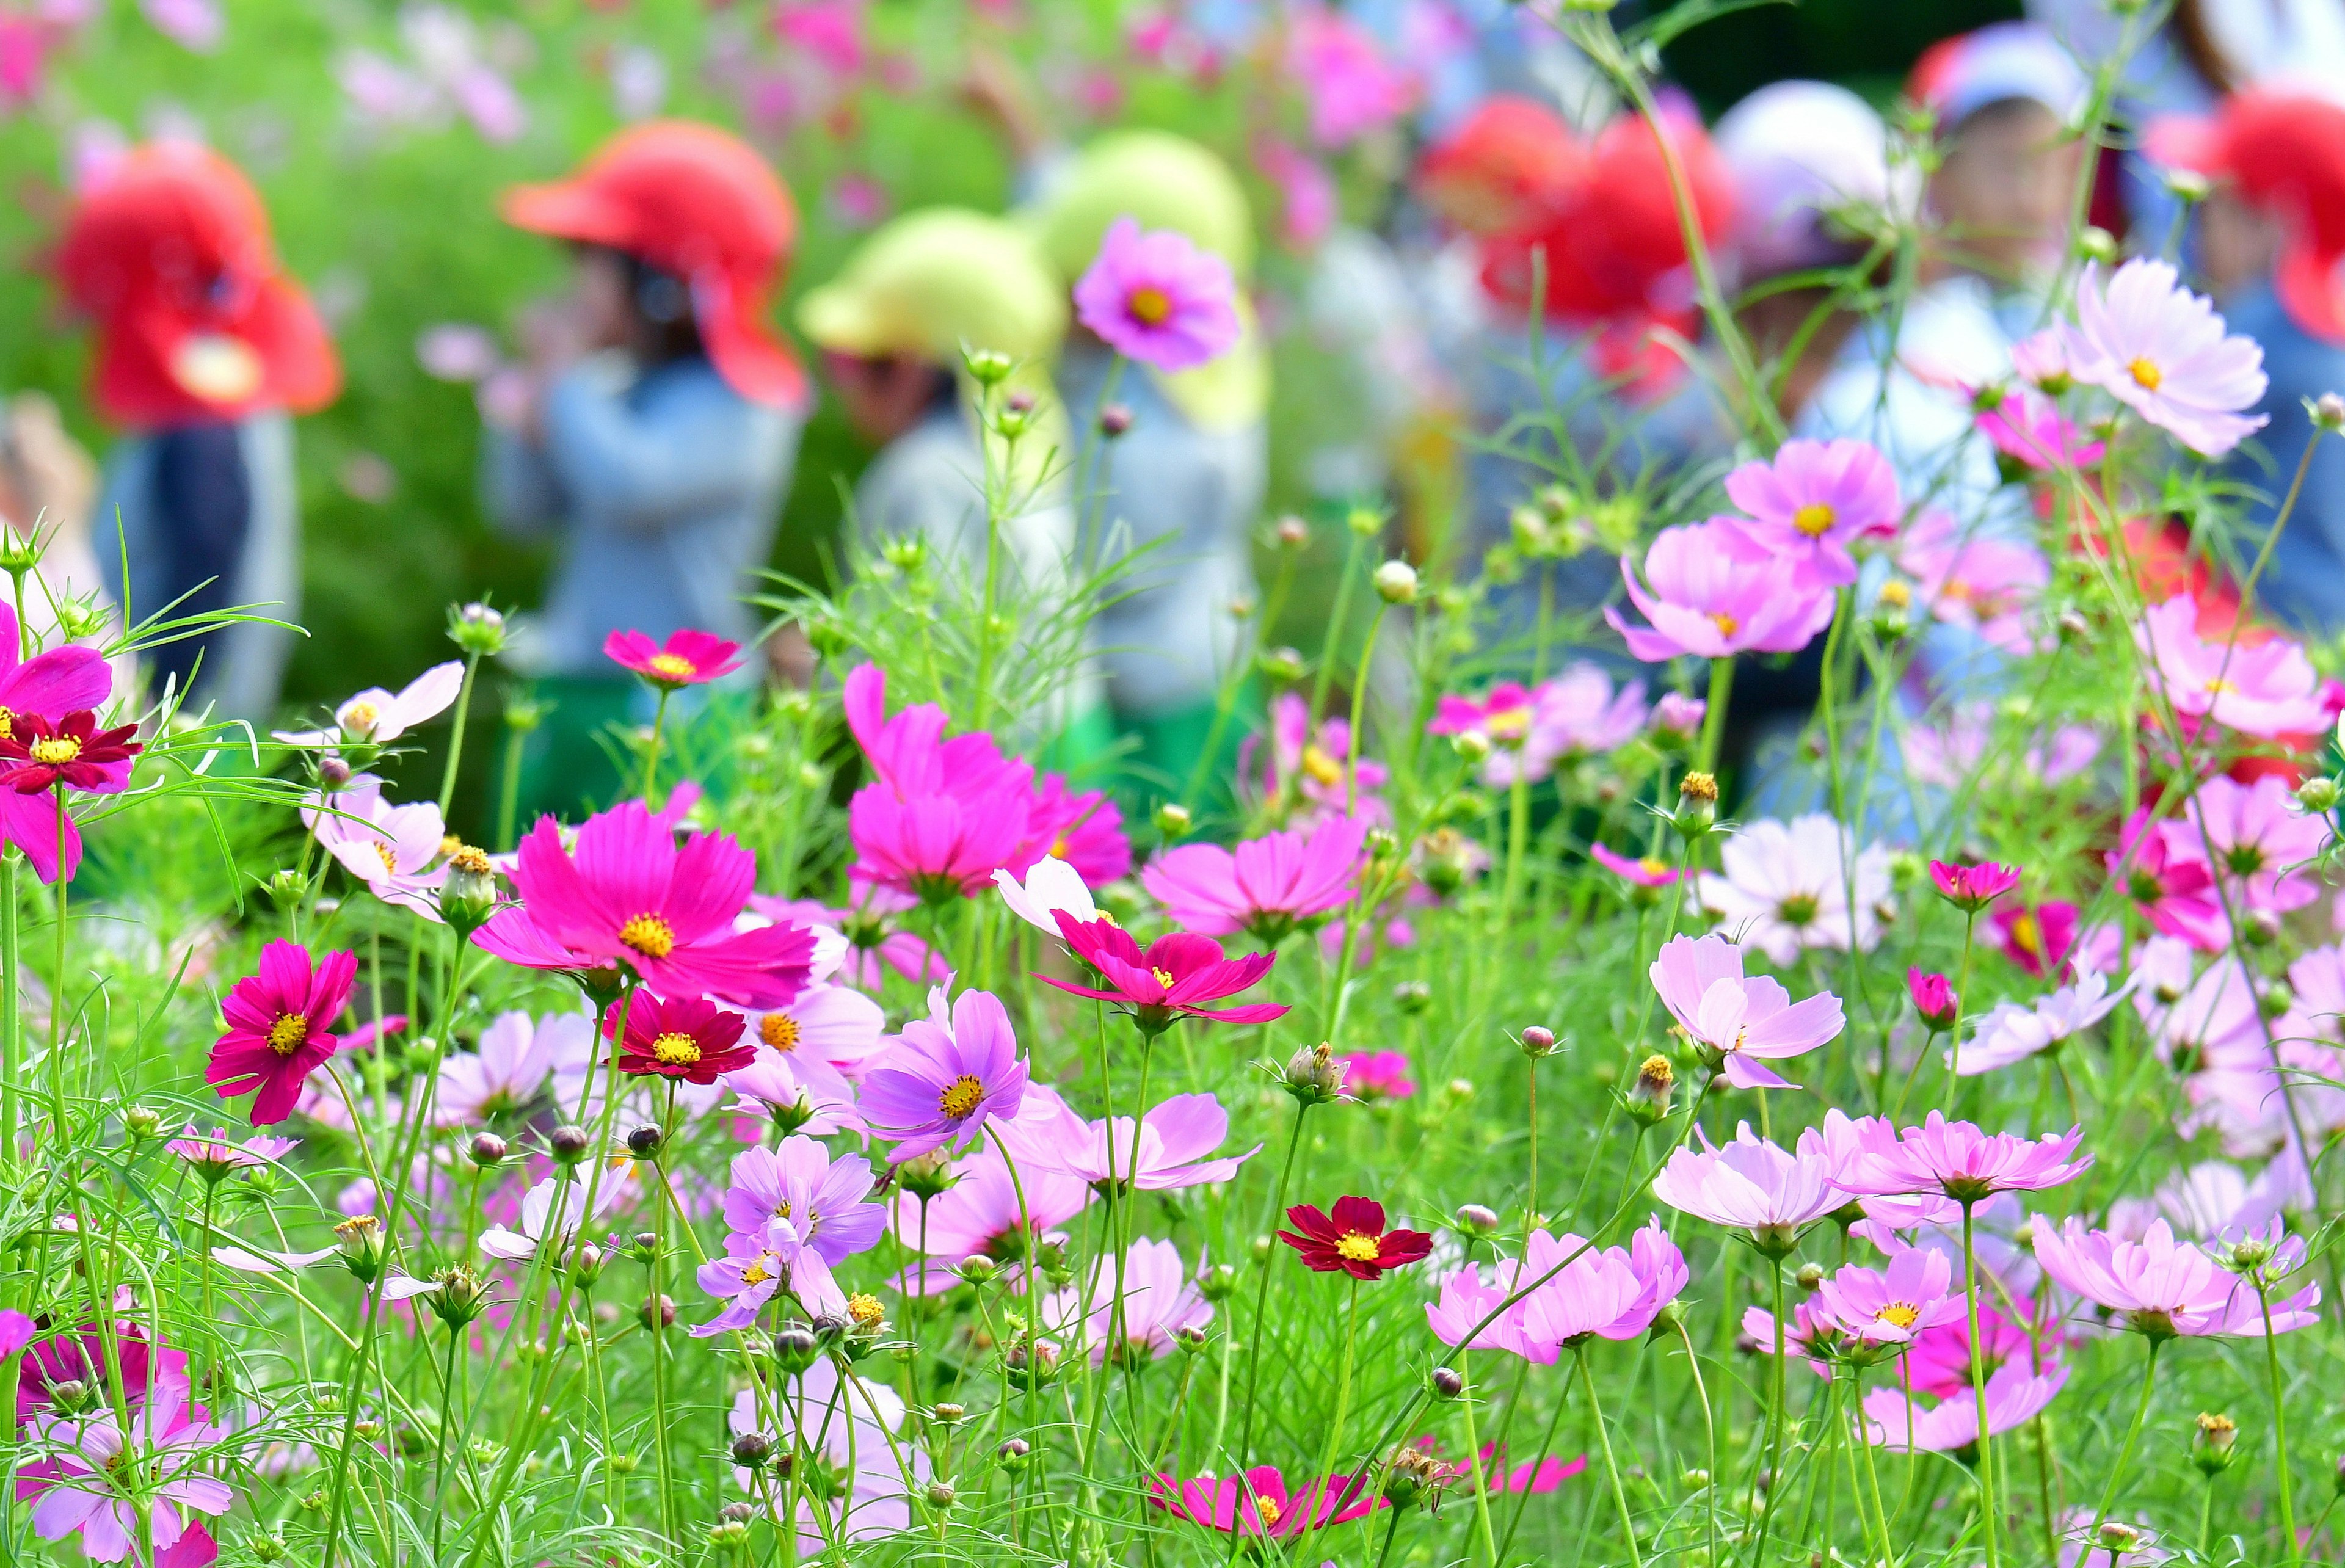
column 2162, row 1287
column 515, row 1058
column 2013, row 1031
column 1157, row 297
column 1177, row 1138
column 822, row 1199
column 2015, row 1396
column 2262, row 686
column 277, row 1028
column 1890, row 1307
column 1967, row 1164
column 391, row 848
column 1084, row 829
column 1934, row 1001
column 37, row 754
column 1175, row 977
column 1266, row 887
column 950, row 1075
column 2039, row 940
column 553, row 1212
column 849, row 1424
column 1985, row 585
column 1702, row 600
column 1646, row 873
column 1160, row 1300
column 981, row 1216
column 758, row 1266
column 1259, row 1505
column 688, row 658
column 1972, row 888
column 1809, row 505
column 1306, row 766
column 2174, row 889
column 214, row 1157
column 2154, row 346
column 1741, row 1021
column 1783, row 886
column 1353, row 1239
column 689, row 1038
column 1751, row 1185
column 376, row 717
column 120, row 1488
column 2028, row 428
column 1373, row 1075
column 2255, row 835
column 1050, row 885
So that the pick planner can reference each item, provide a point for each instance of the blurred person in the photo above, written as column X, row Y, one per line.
column 2270, row 247
column 892, row 326
column 1184, row 482
column 206, row 349
column 655, row 430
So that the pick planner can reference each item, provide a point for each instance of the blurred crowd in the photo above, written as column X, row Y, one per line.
column 1541, row 292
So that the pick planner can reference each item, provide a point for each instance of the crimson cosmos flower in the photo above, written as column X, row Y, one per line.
column 1354, row 1238
column 690, row 1037
column 1179, row 973
column 74, row 749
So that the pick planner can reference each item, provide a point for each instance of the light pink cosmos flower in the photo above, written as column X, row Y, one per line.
column 2041, row 360
column 851, row 1423
column 801, row 1092
column 1596, row 1295
column 1809, row 505
column 1267, row 887
column 1845, row 1143
column 2211, row 1200
column 1989, row 586
column 1702, row 600
column 2028, row 428
column 2163, row 1287
column 2154, row 346
column 875, row 942
column 119, row 1489
column 1785, row 887
column 2013, row 1031
column 1738, row 1022
column 2264, row 688
column 553, row 1212
column 2211, row 1021
column 2015, row 1396
column 1678, row 717
column 391, row 848
column 1965, row 1164
column 1306, row 766
column 2255, row 837
column 517, row 1055
column 1177, row 1138
column 1890, row 1307
column 1159, row 298
column 1160, row 1301
column 1751, row 1185
column 980, row 1216
column 1466, row 1300
column 376, row 717
column 193, row 25
column 835, row 1025
column 213, row 1158
column 1350, row 86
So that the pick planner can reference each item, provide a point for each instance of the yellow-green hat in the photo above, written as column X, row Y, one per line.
column 1162, row 180
column 932, row 280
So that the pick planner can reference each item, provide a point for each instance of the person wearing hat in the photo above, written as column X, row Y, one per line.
column 205, row 345
column 2270, row 247
column 653, row 435
column 1184, row 481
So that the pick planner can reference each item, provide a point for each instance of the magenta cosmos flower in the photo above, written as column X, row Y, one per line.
column 50, row 685
column 1934, row 1001
column 1575, row 714
column 2174, row 890
column 1258, row 1504
column 1083, row 829
column 1175, row 977
column 277, row 1028
column 941, row 816
column 949, row 1074
column 119, row 1489
column 2028, row 428
column 2261, row 686
column 1972, row 888
column 2160, row 1286
column 2162, row 351
column 1965, row 1164
column 37, row 755
column 1646, row 873
column 1305, row 769
column 1751, row 1185
column 1156, row 297
column 1267, row 887
column 1809, row 505
column 1739, row 1021
column 1703, row 599
column 1371, row 1076
column 627, row 894
column 688, row 658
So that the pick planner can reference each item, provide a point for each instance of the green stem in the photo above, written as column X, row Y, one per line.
column 1479, row 1477
column 1991, row 1520
column 2280, row 1426
column 652, row 757
column 1611, row 1469
column 456, row 733
column 2125, row 1454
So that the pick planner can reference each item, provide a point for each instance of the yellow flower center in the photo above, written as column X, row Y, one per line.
column 1896, row 595
column 1899, row 1314
column 1150, row 307
column 2146, row 374
column 756, row 1273
column 1651, row 867
column 1727, row 624
column 960, row 1097
column 1357, row 1247
column 649, row 935
column 864, row 1309
column 1059, row 846
column 2025, row 935
column 779, row 1030
column 672, row 667
column 676, row 1050
column 2218, row 686
column 471, row 860
column 1321, row 768
column 8, row 724
column 1814, row 518
column 449, row 844
column 390, row 861
column 56, row 750
column 1269, row 1511
column 286, row 1034
column 1507, row 724
column 1164, row 977
column 359, row 718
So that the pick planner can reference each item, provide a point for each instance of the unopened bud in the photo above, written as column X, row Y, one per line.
column 926, row 1176
column 567, row 1143
column 1447, row 1383
column 1648, row 1096
column 645, row 1142
column 1114, row 419
column 141, row 1121
column 1365, row 521
column 486, row 1149
column 1696, row 810
column 752, row 1449
column 1473, row 745
column 1476, row 1220
column 1810, row 1277
column 948, row 1414
column 1013, row 1451
column 1282, row 664
column 1412, row 997
column 1219, row 1283
column 795, row 1348
column 477, row 628
column 986, row 366
column 977, row 1270
column 1313, row 1076
column 2317, row 793
column 658, row 1317
column 729, row 1533
column 2329, row 412
column 2094, row 243
column 333, row 773
column 1174, row 820
column 2188, row 185
column 1538, row 1041
column 1291, row 532
column 940, row 1494
column 1396, row 582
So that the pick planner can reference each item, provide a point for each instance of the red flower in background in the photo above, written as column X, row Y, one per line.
column 690, row 1038
column 1353, row 1239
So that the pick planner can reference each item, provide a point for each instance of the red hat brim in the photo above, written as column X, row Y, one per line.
column 2310, row 283
column 569, row 210
column 298, row 370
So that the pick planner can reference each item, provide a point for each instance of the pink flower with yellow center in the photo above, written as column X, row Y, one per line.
column 1158, row 297
column 1705, row 601
column 277, row 1028
column 1809, row 505
column 2162, row 351
column 688, row 657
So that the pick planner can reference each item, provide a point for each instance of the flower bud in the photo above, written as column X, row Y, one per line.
column 478, row 629
column 795, row 1349
column 986, row 366
column 2216, row 1444
column 645, row 1142
column 657, row 1318
column 486, row 1149
column 361, row 1239
column 752, row 1449
column 286, row 887
column 2317, row 794
column 1447, row 1383
column 457, row 1297
column 1114, row 419
column 1313, row 1076
column 940, row 1494
column 729, row 1533
column 737, row 1511
column 926, row 1176
column 2094, row 243
column 1016, row 418
column 1291, row 532
column 1412, row 997
column 1013, row 1451
column 18, row 554
column 72, row 1396
column 907, row 552
column 977, row 1270
column 2187, row 186
column 1173, row 820
column 141, row 1122
column 1810, row 1277
column 1218, row 1283
column 645, row 1248
column 586, row 1265
column 567, row 1143
column 1478, row 1220
column 1934, row 1000
column 948, row 1414
column 2329, row 412
column 1282, row 664
column 1396, row 582
column 1538, row 1041
column 1472, row 745
column 1365, row 521
column 1696, row 810
column 333, row 773
column 469, row 896
column 1648, row 1096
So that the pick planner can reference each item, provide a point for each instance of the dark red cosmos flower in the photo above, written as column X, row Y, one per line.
column 1353, row 1239
column 1179, row 973
column 36, row 754
column 690, row 1037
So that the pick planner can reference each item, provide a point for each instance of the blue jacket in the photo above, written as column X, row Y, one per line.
column 2304, row 582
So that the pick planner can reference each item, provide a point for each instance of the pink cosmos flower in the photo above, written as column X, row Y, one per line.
column 1989, row 586
column 1502, row 715
column 1309, row 200
column 950, row 1075
column 214, row 1157
column 2163, row 1287
column 1266, row 887
column 391, row 848
column 1158, row 297
column 2209, row 1021
column 1957, row 748
column 1844, row 1144
column 1258, row 1504
column 2039, row 940
column 120, row 1489
column 1965, row 1164
column 1938, row 1363
column 940, row 817
column 803, row 1094
column 2154, row 346
column 2042, row 359
column 1466, row 1302
column 852, row 1425
column 825, row 1200
column 2015, row 1396
column 1306, row 763
column 1177, row 1138
column 833, row 1025
column 517, row 1055
column 1678, row 717
column 2174, row 889
column 2256, row 835
column 1972, row 887
column 1161, row 1301
column 1934, row 1001
column 1751, row 1185
column 1178, row 974
column 1350, row 86
column 1786, row 886
column 554, row 1213
column 1702, row 600
column 688, row 657
column 1646, row 873
column 873, row 943
column 2266, row 688
column 1738, row 1022
column 2028, row 428
column 2014, row 1032
column 1085, row 830
column 1612, row 1293
column 1575, row 714
column 1371, row 1075
column 376, row 717
column 1809, row 505
column 980, row 1216
column 277, row 1028
column 627, row 894
column 1890, row 1307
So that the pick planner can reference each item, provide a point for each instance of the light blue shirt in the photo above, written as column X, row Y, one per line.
column 2304, row 582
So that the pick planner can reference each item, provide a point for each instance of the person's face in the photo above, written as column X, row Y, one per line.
column 2002, row 194
column 600, row 297
column 2237, row 245
column 883, row 395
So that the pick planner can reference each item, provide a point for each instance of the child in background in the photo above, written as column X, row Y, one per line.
column 2270, row 241
column 657, row 428
column 1184, row 481
column 206, row 346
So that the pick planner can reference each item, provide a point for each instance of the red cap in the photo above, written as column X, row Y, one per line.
column 2283, row 153
column 197, row 319
column 1511, row 163
column 1615, row 249
column 695, row 201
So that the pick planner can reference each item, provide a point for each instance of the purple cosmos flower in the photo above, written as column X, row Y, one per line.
column 1177, row 1139
column 822, row 1199
column 1809, row 505
column 1161, row 1301
column 1739, row 1021
column 1703, row 599
column 2161, row 351
column 1305, row 769
column 1266, row 887
column 1751, row 1185
column 949, row 1074
column 1786, row 886
column 759, row 1265
column 118, row 1489
column 2163, row 1287
column 1157, row 298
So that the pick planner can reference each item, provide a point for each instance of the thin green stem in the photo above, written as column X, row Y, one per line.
column 1611, row 1469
